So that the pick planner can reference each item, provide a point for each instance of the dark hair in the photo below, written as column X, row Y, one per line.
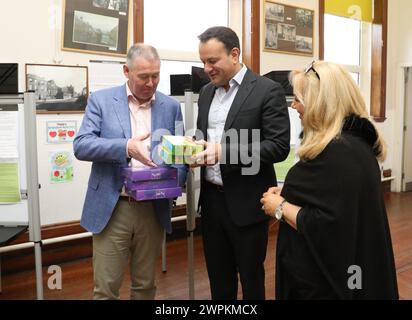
column 223, row 34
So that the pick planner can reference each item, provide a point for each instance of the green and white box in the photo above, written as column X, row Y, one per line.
column 169, row 158
column 180, row 146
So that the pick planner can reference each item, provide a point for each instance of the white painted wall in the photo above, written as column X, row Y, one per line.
column 399, row 56
column 407, row 157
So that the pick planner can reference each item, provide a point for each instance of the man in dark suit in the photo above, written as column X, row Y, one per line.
column 244, row 119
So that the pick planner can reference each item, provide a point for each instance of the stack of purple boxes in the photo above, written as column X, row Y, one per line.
column 151, row 183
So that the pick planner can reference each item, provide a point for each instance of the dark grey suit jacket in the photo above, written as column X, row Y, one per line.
column 260, row 103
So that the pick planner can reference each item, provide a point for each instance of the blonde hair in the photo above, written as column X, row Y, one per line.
column 328, row 100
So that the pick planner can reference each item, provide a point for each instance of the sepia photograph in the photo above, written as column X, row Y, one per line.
column 286, row 32
column 275, row 12
column 58, row 87
column 304, row 18
column 271, row 40
column 95, row 29
column 116, row 5
column 304, row 44
column 288, row 29
column 96, row 26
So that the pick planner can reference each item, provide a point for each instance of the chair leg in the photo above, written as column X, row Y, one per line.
column 164, row 269
column 0, row 275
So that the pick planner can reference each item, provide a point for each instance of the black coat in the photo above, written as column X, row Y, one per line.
column 342, row 223
column 259, row 104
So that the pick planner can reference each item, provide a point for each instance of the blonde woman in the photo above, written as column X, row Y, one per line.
column 334, row 240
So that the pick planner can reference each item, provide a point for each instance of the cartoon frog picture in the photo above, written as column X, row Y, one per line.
column 60, row 159
column 61, row 167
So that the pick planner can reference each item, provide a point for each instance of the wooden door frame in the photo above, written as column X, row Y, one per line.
column 379, row 60
column 251, row 34
column 138, row 21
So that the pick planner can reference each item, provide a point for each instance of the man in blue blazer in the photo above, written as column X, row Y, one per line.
column 122, row 126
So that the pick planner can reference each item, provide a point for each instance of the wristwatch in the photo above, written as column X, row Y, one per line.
column 279, row 210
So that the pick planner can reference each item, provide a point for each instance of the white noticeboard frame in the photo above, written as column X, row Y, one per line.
column 60, row 202
column 16, row 214
column 29, row 170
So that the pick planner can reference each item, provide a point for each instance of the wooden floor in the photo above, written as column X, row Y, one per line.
column 77, row 280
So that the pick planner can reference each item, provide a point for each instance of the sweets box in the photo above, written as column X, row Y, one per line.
column 170, row 158
column 152, row 184
column 164, row 193
column 149, row 174
column 180, row 146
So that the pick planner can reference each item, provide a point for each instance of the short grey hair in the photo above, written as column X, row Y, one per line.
column 141, row 50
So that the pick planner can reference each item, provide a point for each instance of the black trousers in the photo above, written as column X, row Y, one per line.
column 231, row 250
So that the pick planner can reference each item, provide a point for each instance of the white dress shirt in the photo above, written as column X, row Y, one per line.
column 140, row 123
column 140, row 120
column 219, row 109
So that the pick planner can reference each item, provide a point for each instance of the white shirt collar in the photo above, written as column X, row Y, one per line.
column 131, row 96
column 240, row 75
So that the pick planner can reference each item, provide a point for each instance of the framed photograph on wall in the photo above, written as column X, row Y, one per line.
column 288, row 29
column 58, row 87
column 96, row 26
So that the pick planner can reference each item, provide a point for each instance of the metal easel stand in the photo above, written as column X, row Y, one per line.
column 190, row 197
column 191, row 186
column 29, row 101
column 33, row 186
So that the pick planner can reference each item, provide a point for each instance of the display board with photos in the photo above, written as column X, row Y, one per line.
column 288, row 29
column 96, row 26
column 58, row 87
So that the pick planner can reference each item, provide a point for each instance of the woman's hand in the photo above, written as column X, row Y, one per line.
column 276, row 190
column 270, row 201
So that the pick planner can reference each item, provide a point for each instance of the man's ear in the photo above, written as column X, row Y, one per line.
column 235, row 53
column 126, row 71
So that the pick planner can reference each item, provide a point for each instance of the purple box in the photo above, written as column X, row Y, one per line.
column 141, row 195
column 147, row 185
column 148, row 174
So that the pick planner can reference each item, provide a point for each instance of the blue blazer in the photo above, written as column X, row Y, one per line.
column 102, row 139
